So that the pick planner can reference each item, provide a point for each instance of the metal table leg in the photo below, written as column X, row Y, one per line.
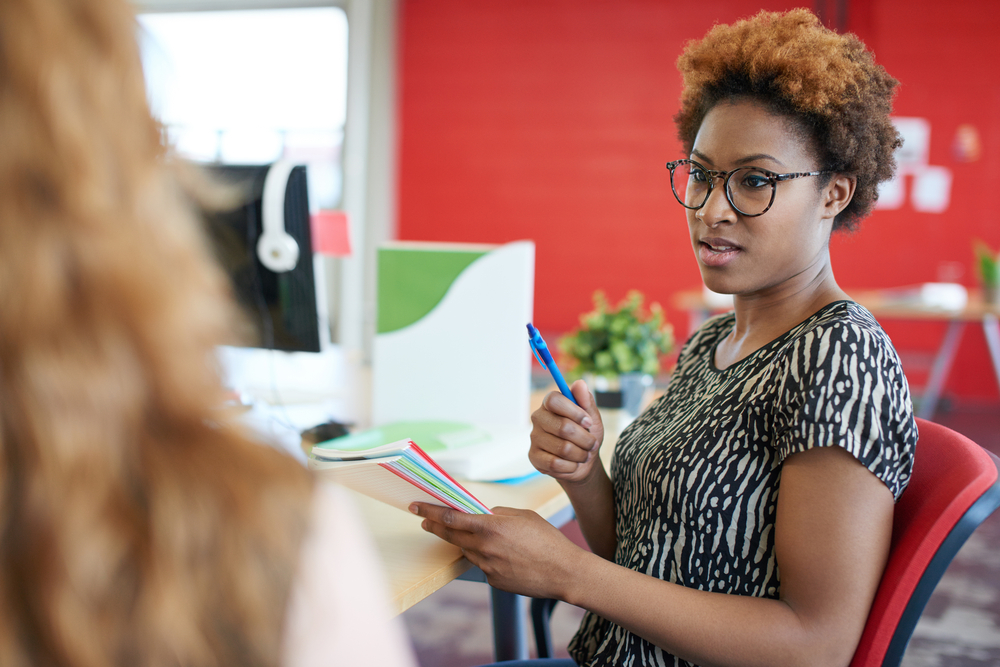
column 992, row 332
column 509, row 611
column 510, row 627
column 697, row 317
column 510, row 638
column 942, row 366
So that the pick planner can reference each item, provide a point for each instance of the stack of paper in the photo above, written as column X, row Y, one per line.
column 397, row 474
column 466, row 452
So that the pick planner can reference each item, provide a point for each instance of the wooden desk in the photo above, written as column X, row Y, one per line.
column 418, row 563
column 887, row 305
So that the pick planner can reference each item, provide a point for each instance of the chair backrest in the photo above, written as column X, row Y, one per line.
column 954, row 487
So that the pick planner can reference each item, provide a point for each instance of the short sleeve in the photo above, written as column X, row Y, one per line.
column 841, row 384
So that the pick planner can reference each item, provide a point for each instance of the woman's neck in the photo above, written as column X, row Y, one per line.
column 767, row 314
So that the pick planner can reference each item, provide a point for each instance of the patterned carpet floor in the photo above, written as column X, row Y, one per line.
column 959, row 628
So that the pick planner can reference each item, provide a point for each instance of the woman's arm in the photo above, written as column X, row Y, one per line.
column 565, row 444
column 832, row 534
column 594, row 504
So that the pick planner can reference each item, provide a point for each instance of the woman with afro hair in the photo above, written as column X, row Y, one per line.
column 748, row 514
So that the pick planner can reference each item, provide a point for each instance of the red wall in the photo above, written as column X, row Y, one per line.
column 551, row 120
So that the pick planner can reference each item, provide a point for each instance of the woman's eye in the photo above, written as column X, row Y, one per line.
column 755, row 181
column 698, row 176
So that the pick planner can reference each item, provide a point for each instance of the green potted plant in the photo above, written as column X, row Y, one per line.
column 620, row 348
column 988, row 265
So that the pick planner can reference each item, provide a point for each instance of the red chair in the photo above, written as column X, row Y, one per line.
column 954, row 487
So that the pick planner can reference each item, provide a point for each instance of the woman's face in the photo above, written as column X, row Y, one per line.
column 768, row 253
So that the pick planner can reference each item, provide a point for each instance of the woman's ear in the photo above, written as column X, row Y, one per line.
column 837, row 195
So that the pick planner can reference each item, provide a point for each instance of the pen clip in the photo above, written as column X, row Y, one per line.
column 534, row 351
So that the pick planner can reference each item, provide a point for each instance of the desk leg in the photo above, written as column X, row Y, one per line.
column 510, row 627
column 510, row 640
column 942, row 366
column 697, row 317
column 991, row 329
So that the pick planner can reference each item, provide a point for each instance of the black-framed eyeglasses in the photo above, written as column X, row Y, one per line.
column 749, row 190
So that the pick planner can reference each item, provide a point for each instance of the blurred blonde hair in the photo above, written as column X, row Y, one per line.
column 137, row 526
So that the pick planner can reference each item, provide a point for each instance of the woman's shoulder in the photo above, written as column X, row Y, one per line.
column 844, row 313
column 846, row 324
column 841, row 383
column 339, row 596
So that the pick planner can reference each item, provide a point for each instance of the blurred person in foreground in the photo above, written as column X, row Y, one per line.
column 138, row 527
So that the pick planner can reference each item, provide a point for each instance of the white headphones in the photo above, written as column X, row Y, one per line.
column 276, row 249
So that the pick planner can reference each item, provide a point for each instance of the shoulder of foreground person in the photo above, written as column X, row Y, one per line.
column 338, row 610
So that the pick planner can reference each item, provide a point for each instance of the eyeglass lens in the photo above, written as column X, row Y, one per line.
column 750, row 189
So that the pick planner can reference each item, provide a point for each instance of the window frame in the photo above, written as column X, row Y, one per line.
column 369, row 152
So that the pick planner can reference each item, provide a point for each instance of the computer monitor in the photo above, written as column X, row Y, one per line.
column 280, row 306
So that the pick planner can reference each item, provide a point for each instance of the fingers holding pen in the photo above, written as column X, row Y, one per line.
column 556, row 455
column 577, row 423
column 558, row 404
column 566, row 436
column 585, row 401
column 555, row 466
column 562, row 437
column 561, row 417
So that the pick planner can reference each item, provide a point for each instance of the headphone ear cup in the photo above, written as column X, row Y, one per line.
column 276, row 248
column 278, row 252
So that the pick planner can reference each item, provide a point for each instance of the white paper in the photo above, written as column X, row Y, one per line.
column 931, row 192
column 891, row 194
column 916, row 133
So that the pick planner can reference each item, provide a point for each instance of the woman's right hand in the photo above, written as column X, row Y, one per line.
column 565, row 438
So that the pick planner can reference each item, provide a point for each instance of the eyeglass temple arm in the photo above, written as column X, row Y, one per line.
column 798, row 174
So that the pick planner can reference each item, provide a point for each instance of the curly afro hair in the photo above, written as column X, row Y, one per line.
column 829, row 84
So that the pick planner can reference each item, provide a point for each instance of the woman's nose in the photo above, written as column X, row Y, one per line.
column 717, row 208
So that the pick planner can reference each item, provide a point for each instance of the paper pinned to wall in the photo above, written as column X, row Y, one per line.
column 931, row 191
column 331, row 233
column 916, row 133
column 891, row 194
column 930, row 185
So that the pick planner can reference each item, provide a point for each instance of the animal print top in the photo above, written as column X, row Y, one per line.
column 696, row 476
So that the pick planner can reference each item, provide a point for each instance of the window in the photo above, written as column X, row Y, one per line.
column 249, row 87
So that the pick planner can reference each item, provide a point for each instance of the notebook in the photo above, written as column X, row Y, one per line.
column 467, row 452
column 397, row 474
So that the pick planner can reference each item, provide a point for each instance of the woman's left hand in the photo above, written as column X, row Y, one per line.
column 519, row 551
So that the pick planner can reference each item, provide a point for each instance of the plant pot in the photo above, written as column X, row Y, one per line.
column 620, row 398
column 991, row 295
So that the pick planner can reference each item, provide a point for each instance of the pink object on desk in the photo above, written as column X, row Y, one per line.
column 331, row 233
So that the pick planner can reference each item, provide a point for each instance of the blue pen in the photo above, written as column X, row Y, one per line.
column 541, row 351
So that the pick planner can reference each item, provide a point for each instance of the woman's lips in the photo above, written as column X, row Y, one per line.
column 717, row 252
